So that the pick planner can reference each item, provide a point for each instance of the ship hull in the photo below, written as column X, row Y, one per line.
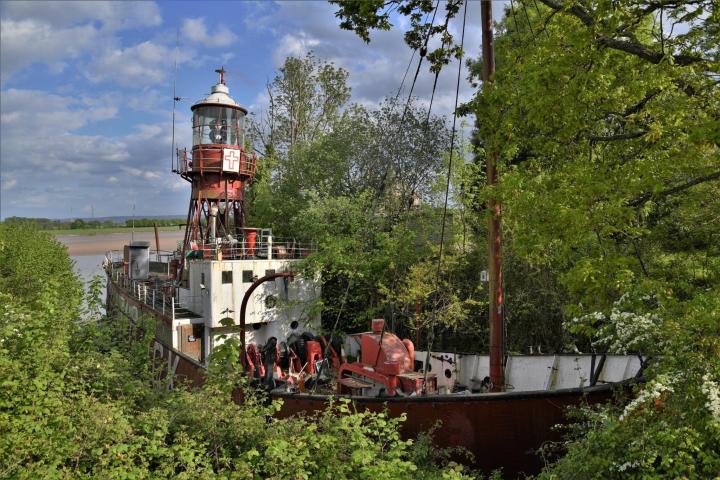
column 501, row 430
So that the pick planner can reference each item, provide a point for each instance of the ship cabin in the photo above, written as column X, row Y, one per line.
column 197, row 307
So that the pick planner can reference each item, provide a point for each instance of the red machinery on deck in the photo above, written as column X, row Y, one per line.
column 386, row 365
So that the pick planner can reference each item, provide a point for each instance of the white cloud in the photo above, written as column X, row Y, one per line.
column 113, row 15
column 147, row 63
column 194, row 29
column 294, row 45
column 9, row 184
column 376, row 69
column 144, row 174
column 52, row 161
column 42, row 113
column 55, row 32
column 25, row 42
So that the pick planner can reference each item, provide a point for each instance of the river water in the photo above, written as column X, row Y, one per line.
column 88, row 251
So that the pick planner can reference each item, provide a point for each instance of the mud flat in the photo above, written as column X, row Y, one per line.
column 99, row 244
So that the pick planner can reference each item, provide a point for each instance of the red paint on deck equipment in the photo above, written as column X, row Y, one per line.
column 386, row 363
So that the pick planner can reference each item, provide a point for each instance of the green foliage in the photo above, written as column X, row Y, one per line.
column 89, row 225
column 607, row 129
column 672, row 427
column 79, row 399
column 151, row 222
column 618, row 196
column 362, row 16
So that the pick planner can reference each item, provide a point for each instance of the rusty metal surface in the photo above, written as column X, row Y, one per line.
column 501, row 430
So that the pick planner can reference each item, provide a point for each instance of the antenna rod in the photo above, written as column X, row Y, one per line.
column 175, row 100
column 497, row 330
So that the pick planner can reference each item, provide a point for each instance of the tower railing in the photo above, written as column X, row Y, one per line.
column 209, row 159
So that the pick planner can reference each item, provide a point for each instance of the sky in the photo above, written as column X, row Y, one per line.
column 86, row 90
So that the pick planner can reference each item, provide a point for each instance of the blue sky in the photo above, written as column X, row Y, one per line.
column 86, row 88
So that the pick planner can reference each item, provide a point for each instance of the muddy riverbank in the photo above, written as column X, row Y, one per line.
column 99, row 244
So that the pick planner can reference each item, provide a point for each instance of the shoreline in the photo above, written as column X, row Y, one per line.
column 99, row 244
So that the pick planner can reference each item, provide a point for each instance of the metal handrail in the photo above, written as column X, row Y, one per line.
column 201, row 163
column 155, row 298
column 264, row 248
column 164, row 256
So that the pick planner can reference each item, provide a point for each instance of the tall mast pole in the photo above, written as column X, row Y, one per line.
column 497, row 331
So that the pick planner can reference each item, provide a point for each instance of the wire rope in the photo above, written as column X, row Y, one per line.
column 397, row 95
column 431, row 330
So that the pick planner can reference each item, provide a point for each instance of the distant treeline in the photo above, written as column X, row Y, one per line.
column 78, row 223
column 149, row 222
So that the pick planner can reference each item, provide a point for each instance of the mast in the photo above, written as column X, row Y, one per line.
column 497, row 330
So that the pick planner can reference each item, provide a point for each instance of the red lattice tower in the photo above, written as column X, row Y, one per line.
column 219, row 168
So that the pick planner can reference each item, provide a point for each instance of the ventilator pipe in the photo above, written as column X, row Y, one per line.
column 213, row 220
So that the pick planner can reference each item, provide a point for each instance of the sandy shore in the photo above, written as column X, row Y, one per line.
column 99, row 244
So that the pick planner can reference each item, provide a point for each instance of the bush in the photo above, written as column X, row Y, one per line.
column 78, row 399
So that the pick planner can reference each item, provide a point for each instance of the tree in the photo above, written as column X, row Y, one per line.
column 305, row 100
column 607, row 118
column 618, row 194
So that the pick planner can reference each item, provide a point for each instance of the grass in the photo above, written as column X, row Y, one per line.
column 100, row 231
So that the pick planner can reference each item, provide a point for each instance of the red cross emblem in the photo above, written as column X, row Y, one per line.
column 231, row 160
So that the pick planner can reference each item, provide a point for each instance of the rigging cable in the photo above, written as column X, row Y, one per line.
column 437, row 74
column 547, row 35
column 527, row 17
column 512, row 9
column 423, row 51
column 397, row 95
column 431, row 331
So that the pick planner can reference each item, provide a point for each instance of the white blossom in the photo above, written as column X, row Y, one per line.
column 711, row 390
column 652, row 391
column 627, row 465
column 621, row 331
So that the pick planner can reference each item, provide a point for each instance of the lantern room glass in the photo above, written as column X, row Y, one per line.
column 218, row 125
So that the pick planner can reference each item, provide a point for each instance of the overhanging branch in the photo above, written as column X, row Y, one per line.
column 632, row 47
column 677, row 189
column 619, row 136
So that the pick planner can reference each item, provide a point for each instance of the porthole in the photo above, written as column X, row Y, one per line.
column 294, row 324
column 448, row 373
column 257, row 326
column 270, row 301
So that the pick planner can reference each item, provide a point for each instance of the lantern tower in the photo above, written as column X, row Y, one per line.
column 218, row 167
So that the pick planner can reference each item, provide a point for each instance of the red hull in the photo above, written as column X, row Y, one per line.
column 502, row 430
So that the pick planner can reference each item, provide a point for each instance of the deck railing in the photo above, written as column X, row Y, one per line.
column 158, row 295
column 265, row 247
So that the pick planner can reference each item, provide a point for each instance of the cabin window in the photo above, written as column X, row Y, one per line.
column 227, row 276
column 247, row 276
column 202, row 278
column 269, row 272
column 218, row 125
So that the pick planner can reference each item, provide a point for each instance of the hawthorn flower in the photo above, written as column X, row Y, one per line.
column 653, row 391
column 711, row 390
